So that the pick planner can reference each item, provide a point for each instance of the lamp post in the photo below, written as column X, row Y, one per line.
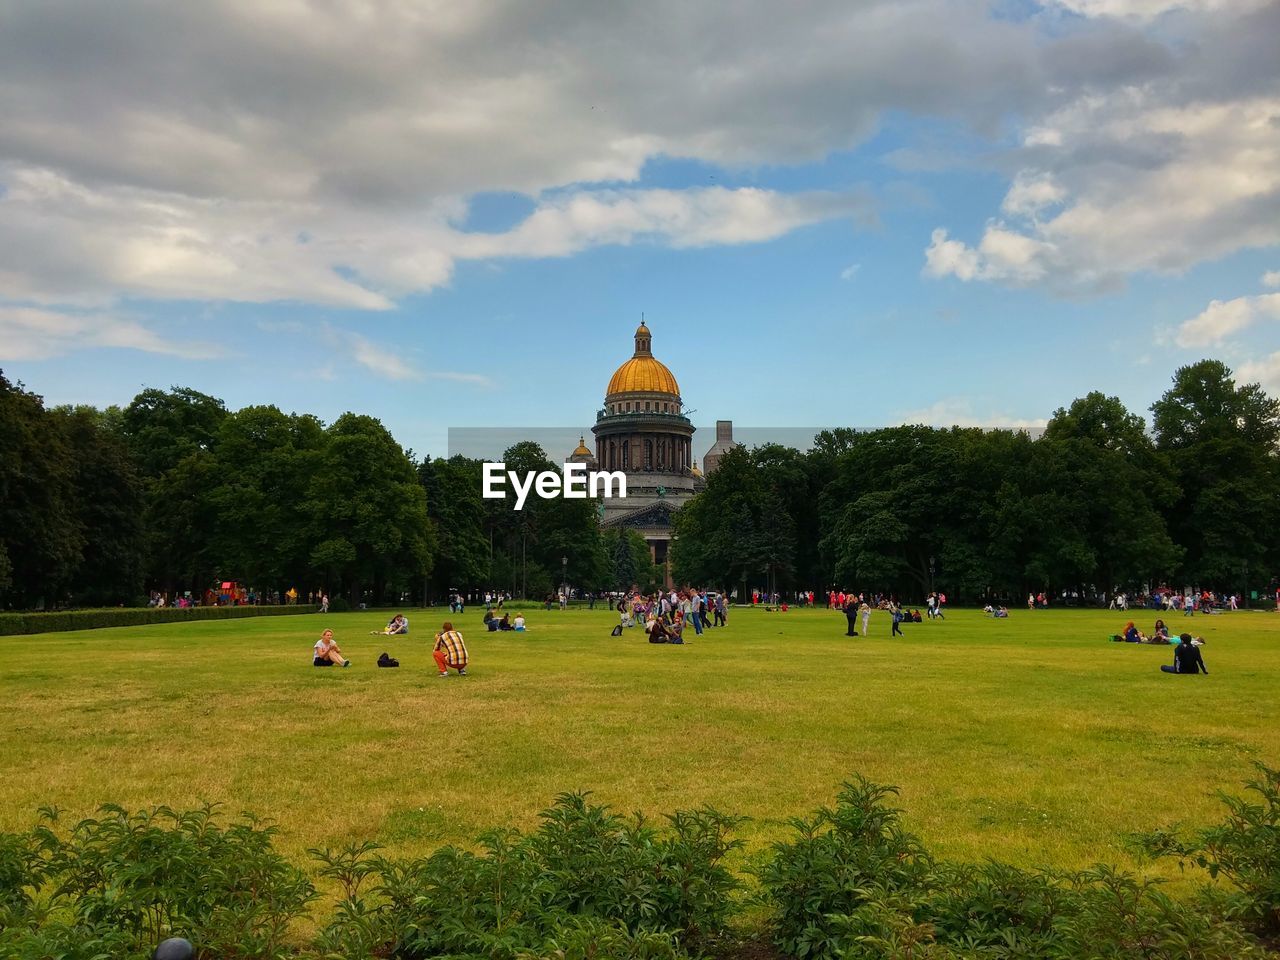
column 564, row 580
column 931, row 569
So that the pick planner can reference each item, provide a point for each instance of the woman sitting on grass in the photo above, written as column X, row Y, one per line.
column 1132, row 634
column 1160, row 634
column 326, row 652
column 518, row 622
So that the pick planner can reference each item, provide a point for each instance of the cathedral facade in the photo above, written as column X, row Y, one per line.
column 643, row 430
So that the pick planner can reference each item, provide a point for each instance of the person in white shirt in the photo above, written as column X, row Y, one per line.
column 326, row 652
column 518, row 623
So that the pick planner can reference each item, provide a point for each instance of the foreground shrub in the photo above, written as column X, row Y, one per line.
column 588, row 882
column 1244, row 849
column 117, row 885
column 852, row 884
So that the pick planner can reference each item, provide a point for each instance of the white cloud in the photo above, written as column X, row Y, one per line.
column 72, row 242
column 1271, row 278
column 1143, row 186
column 1151, row 9
column 28, row 333
column 1222, row 318
column 958, row 412
column 946, row 257
column 1032, row 192
column 851, row 271
column 1265, row 371
column 384, row 361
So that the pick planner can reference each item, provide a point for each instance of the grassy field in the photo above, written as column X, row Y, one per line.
column 1032, row 740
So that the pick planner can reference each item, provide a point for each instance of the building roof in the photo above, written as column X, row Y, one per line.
column 643, row 373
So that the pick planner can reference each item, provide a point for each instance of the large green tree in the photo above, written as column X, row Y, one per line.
column 1221, row 439
column 41, row 538
column 368, row 514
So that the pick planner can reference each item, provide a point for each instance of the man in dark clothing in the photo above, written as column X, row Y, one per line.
column 1186, row 658
column 851, row 614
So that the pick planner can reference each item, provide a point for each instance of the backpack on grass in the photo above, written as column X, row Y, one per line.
column 386, row 660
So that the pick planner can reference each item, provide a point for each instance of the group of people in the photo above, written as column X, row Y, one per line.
column 505, row 622
column 857, row 606
column 666, row 614
column 1186, row 655
column 449, row 652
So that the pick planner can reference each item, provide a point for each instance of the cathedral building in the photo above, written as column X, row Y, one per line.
column 643, row 431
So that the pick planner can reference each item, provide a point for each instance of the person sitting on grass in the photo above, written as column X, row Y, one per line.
column 1186, row 658
column 1132, row 634
column 658, row 631
column 518, row 623
column 396, row 626
column 1160, row 634
column 675, row 633
column 490, row 621
column 505, row 622
column 326, row 652
column 450, row 651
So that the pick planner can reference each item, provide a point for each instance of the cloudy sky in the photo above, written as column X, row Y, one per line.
column 856, row 212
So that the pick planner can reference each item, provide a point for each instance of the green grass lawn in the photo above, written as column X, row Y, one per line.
column 1031, row 740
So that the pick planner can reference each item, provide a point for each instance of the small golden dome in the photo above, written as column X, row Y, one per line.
column 582, row 450
column 695, row 471
column 643, row 374
column 642, row 330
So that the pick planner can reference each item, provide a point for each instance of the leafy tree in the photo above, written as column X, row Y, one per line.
column 457, row 510
column 41, row 539
column 368, row 512
column 107, row 504
column 264, row 462
column 1221, row 439
column 171, row 435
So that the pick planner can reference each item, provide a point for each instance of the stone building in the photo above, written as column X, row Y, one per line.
column 643, row 431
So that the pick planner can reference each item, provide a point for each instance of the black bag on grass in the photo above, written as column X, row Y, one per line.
column 387, row 660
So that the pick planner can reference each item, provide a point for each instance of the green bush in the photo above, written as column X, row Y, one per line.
column 589, row 884
column 586, row 881
column 16, row 624
column 1244, row 849
column 117, row 885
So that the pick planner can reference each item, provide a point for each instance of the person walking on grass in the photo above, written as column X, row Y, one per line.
column 895, row 613
column 865, row 610
column 326, row 652
column 450, row 651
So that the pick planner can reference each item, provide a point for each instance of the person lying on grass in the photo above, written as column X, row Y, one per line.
column 1132, row 634
column 450, row 651
column 1186, row 658
column 326, row 652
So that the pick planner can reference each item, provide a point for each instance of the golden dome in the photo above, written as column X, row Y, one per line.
column 695, row 471
column 642, row 373
column 582, row 450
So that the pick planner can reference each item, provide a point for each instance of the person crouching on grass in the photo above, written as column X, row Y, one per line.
column 326, row 652
column 450, row 651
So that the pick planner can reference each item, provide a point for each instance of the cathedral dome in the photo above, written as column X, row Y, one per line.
column 642, row 373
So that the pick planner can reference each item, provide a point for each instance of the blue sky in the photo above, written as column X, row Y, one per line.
column 933, row 211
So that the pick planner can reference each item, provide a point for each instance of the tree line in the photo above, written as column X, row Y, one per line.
column 175, row 492
column 1097, row 502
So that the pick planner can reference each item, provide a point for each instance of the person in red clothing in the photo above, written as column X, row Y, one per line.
column 450, row 651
